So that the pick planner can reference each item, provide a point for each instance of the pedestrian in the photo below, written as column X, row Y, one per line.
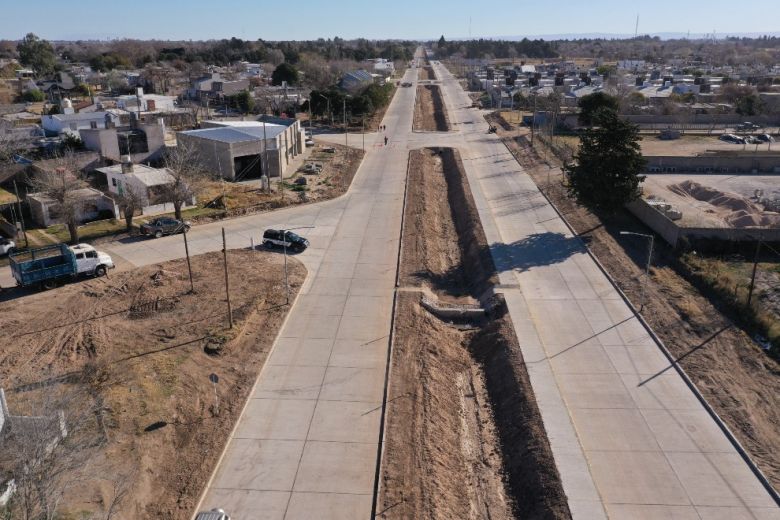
column 385, row 140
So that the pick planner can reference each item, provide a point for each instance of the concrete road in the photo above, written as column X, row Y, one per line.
column 628, row 436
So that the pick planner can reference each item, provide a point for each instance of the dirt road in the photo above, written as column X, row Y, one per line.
column 136, row 344
column 464, row 437
column 426, row 73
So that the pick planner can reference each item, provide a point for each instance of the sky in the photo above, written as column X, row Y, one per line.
column 374, row 19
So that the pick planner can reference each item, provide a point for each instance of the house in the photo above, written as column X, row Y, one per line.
column 61, row 86
column 71, row 122
column 212, row 86
column 141, row 141
column 238, row 150
column 147, row 102
column 382, row 66
column 143, row 180
column 355, row 81
column 92, row 205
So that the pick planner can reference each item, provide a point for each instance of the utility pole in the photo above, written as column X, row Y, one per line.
column 189, row 265
column 753, row 276
column 364, row 132
column 533, row 121
column 21, row 216
column 227, row 280
column 346, row 134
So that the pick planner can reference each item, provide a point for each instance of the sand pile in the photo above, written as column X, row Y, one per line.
column 736, row 210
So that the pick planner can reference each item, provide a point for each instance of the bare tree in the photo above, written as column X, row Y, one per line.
column 47, row 450
column 121, row 486
column 62, row 185
column 130, row 201
column 187, row 176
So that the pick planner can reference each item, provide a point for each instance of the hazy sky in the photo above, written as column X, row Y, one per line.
column 413, row 19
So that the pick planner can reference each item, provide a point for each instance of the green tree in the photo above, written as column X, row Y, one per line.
column 750, row 105
column 605, row 175
column 33, row 96
column 284, row 72
column 37, row 54
column 592, row 104
column 244, row 101
column 442, row 41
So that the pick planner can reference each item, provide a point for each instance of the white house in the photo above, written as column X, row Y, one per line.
column 143, row 180
column 382, row 66
column 72, row 123
column 148, row 102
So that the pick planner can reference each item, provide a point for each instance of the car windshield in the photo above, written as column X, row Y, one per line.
column 292, row 236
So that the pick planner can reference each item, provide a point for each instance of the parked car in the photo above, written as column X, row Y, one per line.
column 747, row 125
column 764, row 138
column 406, row 84
column 731, row 138
column 276, row 238
column 214, row 514
column 309, row 141
column 312, row 168
column 164, row 226
column 329, row 149
column 7, row 246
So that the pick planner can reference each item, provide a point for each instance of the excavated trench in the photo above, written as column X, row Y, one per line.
column 430, row 114
column 464, row 437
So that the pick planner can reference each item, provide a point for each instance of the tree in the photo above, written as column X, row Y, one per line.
column 37, row 54
column 62, row 184
column 284, row 72
column 750, row 105
column 605, row 175
column 591, row 104
column 130, row 200
column 33, row 95
column 244, row 101
column 187, row 176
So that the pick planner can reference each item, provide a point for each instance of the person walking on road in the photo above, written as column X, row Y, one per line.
column 385, row 140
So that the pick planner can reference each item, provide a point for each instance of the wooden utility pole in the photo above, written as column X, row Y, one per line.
column 21, row 215
column 227, row 279
column 189, row 265
column 753, row 276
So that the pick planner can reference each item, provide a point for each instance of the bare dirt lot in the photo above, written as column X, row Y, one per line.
column 464, row 436
column 430, row 114
column 138, row 350
column 738, row 379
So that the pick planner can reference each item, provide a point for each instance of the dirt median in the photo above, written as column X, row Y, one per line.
column 135, row 345
column 426, row 73
column 464, row 435
column 430, row 114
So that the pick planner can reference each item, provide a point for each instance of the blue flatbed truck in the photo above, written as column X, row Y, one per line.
column 46, row 267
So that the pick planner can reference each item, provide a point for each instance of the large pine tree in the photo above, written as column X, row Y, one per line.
column 605, row 174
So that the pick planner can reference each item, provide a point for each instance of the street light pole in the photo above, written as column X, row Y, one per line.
column 647, row 267
column 284, row 246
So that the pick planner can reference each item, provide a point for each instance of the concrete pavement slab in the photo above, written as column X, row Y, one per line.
column 299, row 351
column 336, row 467
column 289, row 382
column 262, row 505
column 353, row 384
column 342, row 421
column 328, row 506
column 262, row 465
column 276, row 419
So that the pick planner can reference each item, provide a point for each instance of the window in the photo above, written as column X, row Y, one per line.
column 80, row 256
column 113, row 181
column 91, row 254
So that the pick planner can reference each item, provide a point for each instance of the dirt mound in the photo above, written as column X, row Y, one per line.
column 734, row 209
column 430, row 114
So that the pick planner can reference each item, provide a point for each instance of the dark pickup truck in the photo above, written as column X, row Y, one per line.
column 164, row 226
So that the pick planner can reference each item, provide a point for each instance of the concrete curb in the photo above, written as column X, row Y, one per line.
column 388, row 366
column 660, row 344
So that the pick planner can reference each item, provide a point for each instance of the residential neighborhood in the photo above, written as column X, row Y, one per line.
column 342, row 262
